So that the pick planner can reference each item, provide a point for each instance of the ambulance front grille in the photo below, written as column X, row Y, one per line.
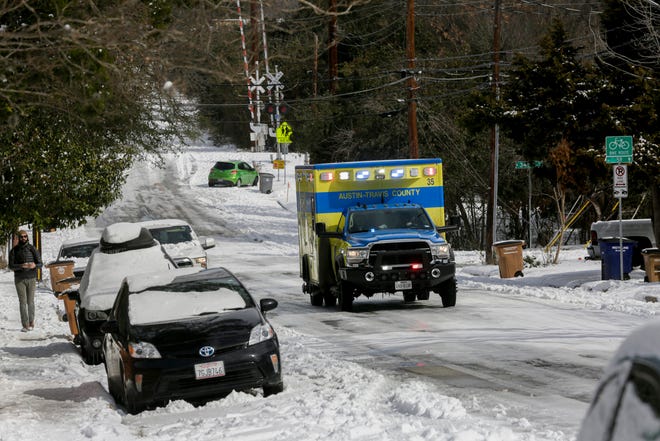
column 399, row 253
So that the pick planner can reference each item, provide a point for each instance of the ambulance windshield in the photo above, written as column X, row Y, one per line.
column 389, row 218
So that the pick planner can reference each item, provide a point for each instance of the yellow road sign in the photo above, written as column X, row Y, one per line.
column 284, row 133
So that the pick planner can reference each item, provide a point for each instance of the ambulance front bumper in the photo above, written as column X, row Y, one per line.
column 402, row 278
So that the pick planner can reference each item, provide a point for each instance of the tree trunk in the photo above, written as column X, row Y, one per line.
column 655, row 206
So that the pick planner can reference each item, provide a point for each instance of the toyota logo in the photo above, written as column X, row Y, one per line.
column 206, row 351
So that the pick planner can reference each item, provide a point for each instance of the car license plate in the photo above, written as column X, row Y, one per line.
column 403, row 284
column 209, row 370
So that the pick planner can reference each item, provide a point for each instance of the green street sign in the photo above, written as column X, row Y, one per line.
column 526, row 164
column 618, row 149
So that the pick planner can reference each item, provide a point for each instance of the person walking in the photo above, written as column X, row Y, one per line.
column 24, row 260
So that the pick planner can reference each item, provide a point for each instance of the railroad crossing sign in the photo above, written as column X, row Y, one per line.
column 618, row 149
column 284, row 133
column 620, row 181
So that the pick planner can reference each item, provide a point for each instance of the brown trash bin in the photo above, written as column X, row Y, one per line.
column 61, row 279
column 651, row 264
column 510, row 258
column 60, row 271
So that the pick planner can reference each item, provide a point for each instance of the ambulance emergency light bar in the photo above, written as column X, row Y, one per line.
column 364, row 175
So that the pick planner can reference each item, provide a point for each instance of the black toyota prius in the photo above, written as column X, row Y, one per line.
column 188, row 334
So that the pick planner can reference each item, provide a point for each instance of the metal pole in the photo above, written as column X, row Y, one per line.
column 413, row 143
column 529, row 205
column 620, row 239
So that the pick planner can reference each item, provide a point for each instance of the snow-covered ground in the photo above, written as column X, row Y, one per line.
column 48, row 392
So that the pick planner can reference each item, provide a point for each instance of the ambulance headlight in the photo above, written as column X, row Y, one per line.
column 440, row 251
column 356, row 255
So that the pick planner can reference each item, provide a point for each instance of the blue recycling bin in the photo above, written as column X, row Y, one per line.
column 610, row 265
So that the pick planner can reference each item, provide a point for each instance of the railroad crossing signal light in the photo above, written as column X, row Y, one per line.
column 281, row 109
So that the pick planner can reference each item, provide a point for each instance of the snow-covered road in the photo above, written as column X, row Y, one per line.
column 514, row 360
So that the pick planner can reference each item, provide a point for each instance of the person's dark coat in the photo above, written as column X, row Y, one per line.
column 24, row 253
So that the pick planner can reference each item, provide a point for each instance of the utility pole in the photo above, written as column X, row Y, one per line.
column 491, row 221
column 332, row 47
column 412, row 83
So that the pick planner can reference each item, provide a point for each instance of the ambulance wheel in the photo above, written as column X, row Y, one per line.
column 316, row 298
column 345, row 297
column 329, row 300
column 409, row 296
column 448, row 293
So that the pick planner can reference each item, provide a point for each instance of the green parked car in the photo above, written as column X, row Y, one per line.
column 233, row 173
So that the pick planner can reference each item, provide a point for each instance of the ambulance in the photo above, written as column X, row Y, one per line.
column 373, row 227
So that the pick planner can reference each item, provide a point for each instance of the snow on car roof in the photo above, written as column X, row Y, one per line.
column 642, row 342
column 105, row 272
column 121, row 232
column 140, row 282
column 80, row 241
column 162, row 223
column 161, row 306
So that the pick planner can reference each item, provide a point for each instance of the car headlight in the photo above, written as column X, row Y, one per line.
column 440, row 251
column 95, row 316
column 201, row 261
column 261, row 333
column 142, row 349
column 356, row 255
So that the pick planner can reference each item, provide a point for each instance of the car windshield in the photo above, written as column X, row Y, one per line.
column 78, row 251
column 176, row 234
column 367, row 220
column 224, row 165
column 184, row 300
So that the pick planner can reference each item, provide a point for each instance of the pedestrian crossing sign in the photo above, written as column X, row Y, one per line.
column 284, row 133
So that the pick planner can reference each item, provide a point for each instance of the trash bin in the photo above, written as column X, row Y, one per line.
column 266, row 182
column 61, row 279
column 651, row 264
column 60, row 272
column 510, row 258
column 610, row 265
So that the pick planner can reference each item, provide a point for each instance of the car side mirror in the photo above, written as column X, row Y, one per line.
column 267, row 304
column 320, row 230
column 448, row 228
column 207, row 242
column 110, row 327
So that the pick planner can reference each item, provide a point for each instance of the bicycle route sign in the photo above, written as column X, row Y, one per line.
column 618, row 149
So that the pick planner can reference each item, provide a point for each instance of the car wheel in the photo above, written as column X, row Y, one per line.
column 448, row 293
column 409, row 296
column 128, row 399
column 316, row 298
column 112, row 388
column 239, row 183
column 211, row 183
column 329, row 300
column 345, row 296
column 273, row 389
column 90, row 357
